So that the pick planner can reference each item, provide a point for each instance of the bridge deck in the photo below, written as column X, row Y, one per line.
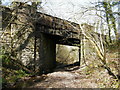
column 65, row 32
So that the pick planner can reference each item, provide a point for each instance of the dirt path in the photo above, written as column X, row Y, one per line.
column 66, row 78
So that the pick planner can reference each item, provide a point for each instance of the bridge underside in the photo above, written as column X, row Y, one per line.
column 48, row 48
column 59, row 37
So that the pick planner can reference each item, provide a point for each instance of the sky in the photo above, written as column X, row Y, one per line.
column 66, row 9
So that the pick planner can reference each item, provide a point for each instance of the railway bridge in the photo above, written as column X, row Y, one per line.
column 46, row 32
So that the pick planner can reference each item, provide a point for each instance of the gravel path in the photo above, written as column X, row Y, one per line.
column 66, row 79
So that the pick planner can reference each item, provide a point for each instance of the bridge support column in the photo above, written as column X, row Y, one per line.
column 47, row 53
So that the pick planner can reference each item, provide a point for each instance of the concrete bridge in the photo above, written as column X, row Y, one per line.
column 47, row 32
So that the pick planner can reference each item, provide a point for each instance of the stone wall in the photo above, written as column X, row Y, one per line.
column 17, row 37
column 22, row 41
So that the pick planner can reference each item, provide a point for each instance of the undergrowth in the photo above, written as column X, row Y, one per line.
column 11, row 72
